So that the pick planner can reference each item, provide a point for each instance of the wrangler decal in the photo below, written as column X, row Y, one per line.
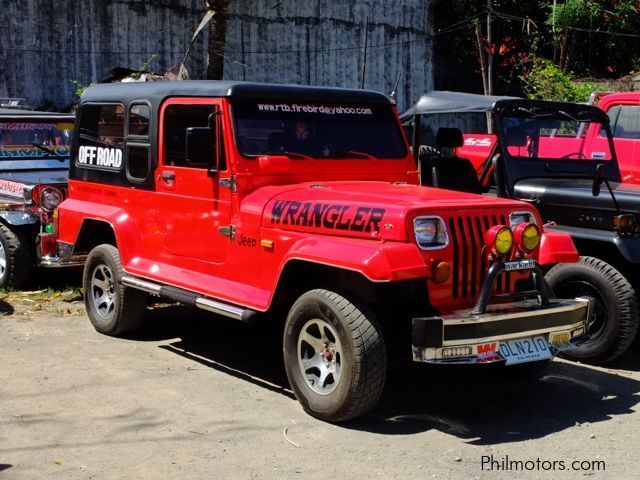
column 327, row 215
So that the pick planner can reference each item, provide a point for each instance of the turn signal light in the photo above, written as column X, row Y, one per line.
column 625, row 223
column 500, row 239
column 440, row 271
column 527, row 236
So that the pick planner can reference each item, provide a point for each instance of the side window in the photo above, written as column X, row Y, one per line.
column 627, row 123
column 177, row 119
column 101, row 137
column 138, row 147
column 139, row 115
column 612, row 113
column 102, row 125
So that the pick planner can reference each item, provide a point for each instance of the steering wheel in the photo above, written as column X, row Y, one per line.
column 579, row 154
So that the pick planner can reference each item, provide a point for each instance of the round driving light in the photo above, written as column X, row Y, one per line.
column 626, row 223
column 527, row 236
column 440, row 271
column 50, row 198
column 500, row 239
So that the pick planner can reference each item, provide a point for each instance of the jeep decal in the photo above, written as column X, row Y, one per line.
column 327, row 215
column 99, row 157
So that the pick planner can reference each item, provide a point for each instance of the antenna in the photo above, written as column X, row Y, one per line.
column 394, row 93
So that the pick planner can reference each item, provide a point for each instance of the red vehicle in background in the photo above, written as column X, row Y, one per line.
column 302, row 207
column 589, row 143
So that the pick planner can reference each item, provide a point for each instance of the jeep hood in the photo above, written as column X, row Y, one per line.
column 363, row 209
column 571, row 202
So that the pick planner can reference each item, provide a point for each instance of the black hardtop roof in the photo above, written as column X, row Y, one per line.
column 156, row 92
column 26, row 114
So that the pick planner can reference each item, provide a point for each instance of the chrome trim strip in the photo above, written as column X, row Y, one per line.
column 152, row 288
column 514, row 336
column 51, row 261
column 576, row 304
column 201, row 302
column 219, row 308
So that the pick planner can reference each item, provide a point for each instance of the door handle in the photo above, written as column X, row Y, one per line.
column 168, row 176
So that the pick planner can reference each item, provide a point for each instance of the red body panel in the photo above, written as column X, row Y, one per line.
column 557, row 247
column 627, row 149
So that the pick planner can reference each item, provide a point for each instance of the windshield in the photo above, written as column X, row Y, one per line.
column 555, row 136
column 35, row 140
column 317, row 130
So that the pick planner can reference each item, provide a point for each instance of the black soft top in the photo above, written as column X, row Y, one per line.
column 442, row 101
column 532, row 107
column 156, row 92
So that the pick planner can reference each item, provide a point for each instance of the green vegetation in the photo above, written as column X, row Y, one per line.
column 545, row 80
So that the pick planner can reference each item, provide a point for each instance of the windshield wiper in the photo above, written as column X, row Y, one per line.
column 354, row 153
column 61, row 157
column 291, row 154
column 535, row 115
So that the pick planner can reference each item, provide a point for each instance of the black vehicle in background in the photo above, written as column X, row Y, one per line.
column 540, row 154
column 34, row 164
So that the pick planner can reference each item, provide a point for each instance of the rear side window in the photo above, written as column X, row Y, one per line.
column 139, row 115
column 101, row 136
column 102, row 124
column 177, row 119
column 627, row 122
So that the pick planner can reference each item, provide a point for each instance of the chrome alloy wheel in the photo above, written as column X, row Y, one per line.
column 103, row 291
column 320, row 356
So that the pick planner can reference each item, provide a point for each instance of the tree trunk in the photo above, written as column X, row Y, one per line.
column 217, row 34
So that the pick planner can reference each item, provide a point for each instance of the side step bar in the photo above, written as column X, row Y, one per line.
column 191, row 298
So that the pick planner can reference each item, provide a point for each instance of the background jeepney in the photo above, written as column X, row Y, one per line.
column 544, row 153
column 34, row 163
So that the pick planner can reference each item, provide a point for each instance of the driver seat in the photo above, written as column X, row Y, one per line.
column 450, row 171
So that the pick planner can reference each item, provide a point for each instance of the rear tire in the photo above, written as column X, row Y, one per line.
column 617, row 311
column 16, row 262
column 113, row 309
column 334, row 356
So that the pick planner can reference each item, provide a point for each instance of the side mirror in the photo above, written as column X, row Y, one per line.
column 200, row 147
column 598, row 178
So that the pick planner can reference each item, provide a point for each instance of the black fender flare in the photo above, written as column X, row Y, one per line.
column 627, row 246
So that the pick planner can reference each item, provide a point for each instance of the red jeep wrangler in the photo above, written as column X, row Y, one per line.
column 265, row 202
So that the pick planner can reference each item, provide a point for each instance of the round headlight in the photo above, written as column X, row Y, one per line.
column 430, row 232
column 527, row 236
column 500, row 239
column 50, row 198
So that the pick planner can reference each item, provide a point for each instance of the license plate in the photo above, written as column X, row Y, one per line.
column 522, row 350
column 519, row 265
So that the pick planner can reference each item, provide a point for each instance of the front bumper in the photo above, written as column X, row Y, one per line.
column 470, row 337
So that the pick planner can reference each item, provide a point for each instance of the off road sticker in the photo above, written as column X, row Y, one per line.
column 100, row 157
column 327, row 215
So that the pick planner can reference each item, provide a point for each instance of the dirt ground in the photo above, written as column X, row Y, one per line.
column 194, row 396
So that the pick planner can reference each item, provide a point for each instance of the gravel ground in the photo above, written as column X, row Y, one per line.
column 195, row 396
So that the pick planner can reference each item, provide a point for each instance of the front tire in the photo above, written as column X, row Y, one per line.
column 617, row 314
column 334, row 356
column 16, row 263
column 113, row 309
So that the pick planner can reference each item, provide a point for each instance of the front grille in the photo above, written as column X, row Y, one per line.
column 469, row 260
